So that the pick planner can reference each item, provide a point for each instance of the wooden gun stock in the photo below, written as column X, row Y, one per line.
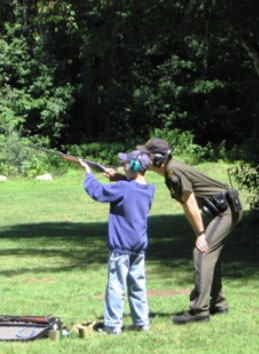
column 27, row 319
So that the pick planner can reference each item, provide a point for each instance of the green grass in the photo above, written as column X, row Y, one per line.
column 53, row 261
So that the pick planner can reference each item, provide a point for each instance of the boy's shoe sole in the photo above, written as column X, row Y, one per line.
column 109, row 330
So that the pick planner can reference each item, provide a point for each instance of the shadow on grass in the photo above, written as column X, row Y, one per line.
column 79, row 245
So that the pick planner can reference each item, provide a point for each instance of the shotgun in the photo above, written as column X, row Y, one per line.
column 27, row 319
column 96, row 165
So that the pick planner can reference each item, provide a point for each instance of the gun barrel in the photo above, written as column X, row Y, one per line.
column 93, row 164
column 58, row 153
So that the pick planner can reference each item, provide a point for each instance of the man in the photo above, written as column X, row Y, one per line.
column 196, row 191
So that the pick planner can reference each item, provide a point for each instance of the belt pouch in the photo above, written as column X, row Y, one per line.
column 210, row 208
column 220, row 201
column 234, row 201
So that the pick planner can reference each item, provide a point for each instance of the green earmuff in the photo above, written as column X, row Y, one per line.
column 135, row 165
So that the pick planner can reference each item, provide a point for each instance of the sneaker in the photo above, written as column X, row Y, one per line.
column 216, row 311
column 109, row 330
column 144, row 328
column 188, row 317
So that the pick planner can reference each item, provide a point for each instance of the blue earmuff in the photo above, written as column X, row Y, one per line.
column 135, row 164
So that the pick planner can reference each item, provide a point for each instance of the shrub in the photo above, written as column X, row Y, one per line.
column 183, row 142
column 16, row 159
column 247, row 178
column 105, row 153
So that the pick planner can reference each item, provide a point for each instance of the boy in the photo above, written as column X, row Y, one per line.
column 130, row 201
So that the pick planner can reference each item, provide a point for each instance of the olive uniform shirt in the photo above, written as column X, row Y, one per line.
column 180, row 177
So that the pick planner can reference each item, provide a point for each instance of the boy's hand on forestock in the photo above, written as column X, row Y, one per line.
column 84, row 165
column 110, row 173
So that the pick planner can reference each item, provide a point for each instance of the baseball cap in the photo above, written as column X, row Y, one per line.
column 135, row 154
column 156, row 146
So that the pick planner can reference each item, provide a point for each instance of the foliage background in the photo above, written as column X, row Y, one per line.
column 119, row 71
column 115, row 70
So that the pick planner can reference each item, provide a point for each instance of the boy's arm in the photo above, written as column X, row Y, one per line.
column 84, row 165
column 109, row 173
column 100, row 192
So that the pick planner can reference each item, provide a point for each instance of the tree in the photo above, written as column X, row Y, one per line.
column 94, row 70
column 238, row 23
column 32, row 101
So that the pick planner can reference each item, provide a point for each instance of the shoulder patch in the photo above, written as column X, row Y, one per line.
column 173, row 176
column 173, row 183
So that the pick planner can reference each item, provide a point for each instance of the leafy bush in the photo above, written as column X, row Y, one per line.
column 193, row 153
column 30, row 99
column 183, row 143
column 247, row 178
column 16, row 159
column 105, row 153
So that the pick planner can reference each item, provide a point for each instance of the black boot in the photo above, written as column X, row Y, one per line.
column 189, row 316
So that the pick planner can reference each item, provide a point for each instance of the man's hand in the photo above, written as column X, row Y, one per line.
column 202, row 244
column 85, row 166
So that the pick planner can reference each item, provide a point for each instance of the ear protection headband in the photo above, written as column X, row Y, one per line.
column 135, row 164
column 159, row 158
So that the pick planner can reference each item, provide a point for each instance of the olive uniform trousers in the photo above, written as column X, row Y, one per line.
column 207, row 295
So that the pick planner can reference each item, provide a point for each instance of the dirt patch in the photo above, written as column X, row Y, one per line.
column 39, row 280
column 254, row 309
column 157, row 293
column 167, row 293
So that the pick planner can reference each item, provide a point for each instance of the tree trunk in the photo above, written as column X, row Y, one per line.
column 253, row 52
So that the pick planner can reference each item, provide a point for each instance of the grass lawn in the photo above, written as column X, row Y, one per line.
column 54, row 261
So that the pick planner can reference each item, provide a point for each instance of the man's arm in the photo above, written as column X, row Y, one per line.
column 192, row 212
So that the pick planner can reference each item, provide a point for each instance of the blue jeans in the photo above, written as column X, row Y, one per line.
column 126, row 272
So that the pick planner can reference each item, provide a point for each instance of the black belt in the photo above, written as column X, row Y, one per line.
column 219, row 203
